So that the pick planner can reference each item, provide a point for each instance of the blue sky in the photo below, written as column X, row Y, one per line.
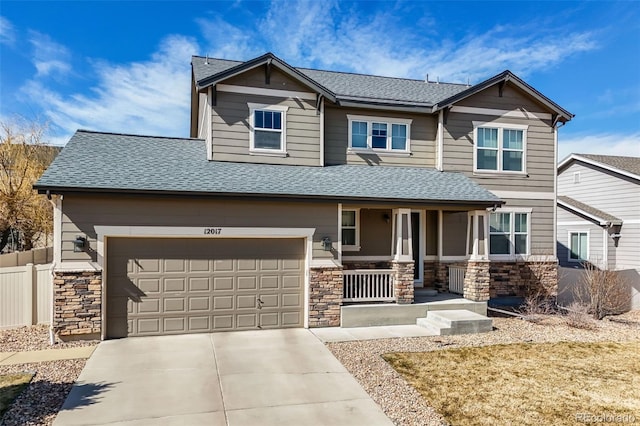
column 125, row 66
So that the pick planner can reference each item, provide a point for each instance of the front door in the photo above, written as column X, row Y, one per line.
column 416, row 236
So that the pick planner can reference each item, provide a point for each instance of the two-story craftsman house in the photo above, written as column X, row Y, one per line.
column 301, row 190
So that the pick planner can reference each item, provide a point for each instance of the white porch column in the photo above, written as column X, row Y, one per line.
column 403, row 247
column 473, row 235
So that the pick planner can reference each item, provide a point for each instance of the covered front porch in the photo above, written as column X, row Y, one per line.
column 389, row 254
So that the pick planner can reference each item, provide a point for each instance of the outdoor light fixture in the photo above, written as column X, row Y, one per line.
column 386, row 217
column 79, row 243
column 326, row 244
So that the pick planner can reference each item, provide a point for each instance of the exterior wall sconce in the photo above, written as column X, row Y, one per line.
column 326, row 244
column 386, row 217
column 79, row 243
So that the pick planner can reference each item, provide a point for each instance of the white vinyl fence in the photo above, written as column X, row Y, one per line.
column 25, row 295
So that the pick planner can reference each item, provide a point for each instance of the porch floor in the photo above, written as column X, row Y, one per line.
column 385, row 314
column 420, row 296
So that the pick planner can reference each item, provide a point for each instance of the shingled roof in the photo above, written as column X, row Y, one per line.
column 363, row 89
column 599, row 216
column 118, row 163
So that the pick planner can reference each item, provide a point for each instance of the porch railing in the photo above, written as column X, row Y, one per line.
column 456, row 279
column 368, row 285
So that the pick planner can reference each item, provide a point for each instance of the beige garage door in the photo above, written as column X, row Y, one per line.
column 172, row 286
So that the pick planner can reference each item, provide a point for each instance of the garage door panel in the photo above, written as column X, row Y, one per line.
column 247, row 265
column 145, row 265
column 222, row 283
column 222, row 302
column 246, row 301
column 291, row 300
column 174, row 284
column 291, row 282
column 269, row 282
column 199, row 265
column 147, row 306
column 170, row 286
column 199, row 304
column 200, row 284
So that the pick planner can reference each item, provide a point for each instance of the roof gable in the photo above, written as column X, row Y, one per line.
column 598, row 216
column 626, row 166
column 501, row 79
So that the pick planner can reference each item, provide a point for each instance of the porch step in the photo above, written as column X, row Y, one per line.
column 455, row 321
column 382, row 314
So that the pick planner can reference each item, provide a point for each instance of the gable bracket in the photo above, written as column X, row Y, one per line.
column 554, row 119
column 267, row 72
column 501, row 87
column 319, row 98
column 445, row 114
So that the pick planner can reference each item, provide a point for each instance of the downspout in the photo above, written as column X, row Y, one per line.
column 555, row 193
column 440, row 145
column 57, row 247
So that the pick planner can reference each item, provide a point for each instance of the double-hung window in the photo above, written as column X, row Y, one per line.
column 500, row 147
column 267, row 129
column 379, row 134
column 509, row 233
column 350, row 229
column 578, row 246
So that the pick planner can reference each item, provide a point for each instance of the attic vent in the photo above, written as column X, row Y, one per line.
column 576, row 177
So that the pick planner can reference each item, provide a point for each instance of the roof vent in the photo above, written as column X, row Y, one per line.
column 206, row 59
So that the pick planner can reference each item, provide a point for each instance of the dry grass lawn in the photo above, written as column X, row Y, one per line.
column 526, row 384
column 10, row 387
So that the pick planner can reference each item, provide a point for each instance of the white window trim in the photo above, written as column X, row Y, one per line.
column 501, row 127
column 389, row 122
column 512, row 247
column 580, row 231
column 355, row 247
column 282, row 152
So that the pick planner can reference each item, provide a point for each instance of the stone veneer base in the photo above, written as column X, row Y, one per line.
column 77, row 312
column 325, row 297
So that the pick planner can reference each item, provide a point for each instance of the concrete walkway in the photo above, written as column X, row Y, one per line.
column 11, row 358
column 339, row 334
column 269, row 377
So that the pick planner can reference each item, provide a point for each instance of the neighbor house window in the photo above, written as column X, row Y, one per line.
column 379, row 134
column 578, row 246
column 500, row 148
column 350, row 231
column 267, row 128
column 509, row 233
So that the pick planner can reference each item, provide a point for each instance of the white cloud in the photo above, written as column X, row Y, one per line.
column 327, row 35
column 49, row 57
column 147, row 97
column 600, row 143
column 7, row 33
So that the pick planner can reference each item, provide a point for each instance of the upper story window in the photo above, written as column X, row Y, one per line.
column 500, row 147
column 379, row 134
column 509, row 233
column 267, row 133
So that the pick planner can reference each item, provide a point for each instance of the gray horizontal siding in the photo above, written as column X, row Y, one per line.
column 543, row 237
column 423, row 137
column 596, row 253
column 627, row 253
column 540, row 150
column 278, row 80
column 612, row 194
column 81, row 214
column 230, row 124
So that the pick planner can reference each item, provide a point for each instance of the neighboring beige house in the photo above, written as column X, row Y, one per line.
column 599, row 217
column 302, row 190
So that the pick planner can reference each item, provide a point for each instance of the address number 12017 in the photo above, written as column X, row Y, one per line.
column 212, row 231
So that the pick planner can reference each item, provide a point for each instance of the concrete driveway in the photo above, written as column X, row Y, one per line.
column 269, row 377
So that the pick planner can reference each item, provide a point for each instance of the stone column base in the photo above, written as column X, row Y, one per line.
column 325, row 297
column 403, row 281
column 77, row 310
column 477, row 280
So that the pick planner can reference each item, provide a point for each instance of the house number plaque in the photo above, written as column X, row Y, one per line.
column 212, row 231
